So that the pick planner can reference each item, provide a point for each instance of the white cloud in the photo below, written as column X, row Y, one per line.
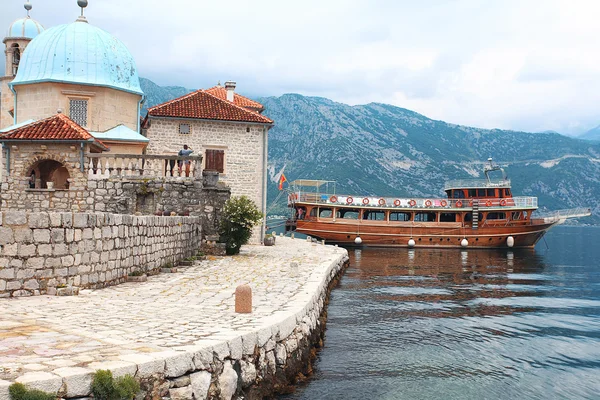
column 511, row 64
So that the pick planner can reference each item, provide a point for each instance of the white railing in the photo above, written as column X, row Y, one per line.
column 476, row 183
column 103, row 166
column 398, row 202
column 562, row 215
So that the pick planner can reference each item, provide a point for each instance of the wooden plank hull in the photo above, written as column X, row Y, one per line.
column 424, row 234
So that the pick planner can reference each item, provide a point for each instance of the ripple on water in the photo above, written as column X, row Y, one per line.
column 445, row 324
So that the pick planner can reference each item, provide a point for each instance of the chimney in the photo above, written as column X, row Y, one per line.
column 230, row 87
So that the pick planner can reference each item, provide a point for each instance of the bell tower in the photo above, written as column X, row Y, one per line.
column 20, row 33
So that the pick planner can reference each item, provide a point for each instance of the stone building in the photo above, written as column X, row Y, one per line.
column 93, row 81
column 227, row 129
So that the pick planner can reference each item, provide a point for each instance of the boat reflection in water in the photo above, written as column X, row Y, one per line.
column 454, row 278
column 434, row 323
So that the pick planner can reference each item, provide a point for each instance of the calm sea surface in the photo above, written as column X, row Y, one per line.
column 474, row 324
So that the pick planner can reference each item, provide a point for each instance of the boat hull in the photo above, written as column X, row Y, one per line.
column 431, row 235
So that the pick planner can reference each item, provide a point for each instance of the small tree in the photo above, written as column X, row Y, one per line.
column 240, row 214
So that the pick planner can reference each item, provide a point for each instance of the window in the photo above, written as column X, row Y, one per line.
column 325, row 213
column 347, row 213
column 459, row 194
column 215, row 160
column 185, row 129
column 491, row 193
column 472, row 192
column 480, row 192
column 399, row 216
column 374, row 215
column 496, row 215
column 425, row 217
column 448, row 217
column 78, row 111
column 16, row 58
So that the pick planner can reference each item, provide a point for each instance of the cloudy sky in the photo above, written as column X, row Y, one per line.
column 530, row 65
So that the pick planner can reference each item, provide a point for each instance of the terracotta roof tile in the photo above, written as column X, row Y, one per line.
column 58, row 127
column 238, row 99
column 203, row 105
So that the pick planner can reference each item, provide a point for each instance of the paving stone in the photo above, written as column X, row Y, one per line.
column 136, row 327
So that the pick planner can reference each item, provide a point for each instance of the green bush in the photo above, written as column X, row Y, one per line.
column 137, row 272
column 18, row 391
column 240, row 214
column 105, row 387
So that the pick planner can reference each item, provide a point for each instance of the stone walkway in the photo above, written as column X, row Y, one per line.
column 47, row 337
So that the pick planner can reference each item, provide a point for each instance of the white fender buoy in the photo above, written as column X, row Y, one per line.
column 464, row 242
column 411, row 242
column 358, row 240
column 510, row 241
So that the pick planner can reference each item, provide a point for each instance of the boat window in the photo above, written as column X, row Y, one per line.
column 313, row 212
column 517, row 215
column 496, row 215
column 459, row 194
column 325, row 212
column 472, row 192
column 399, row 216
column 448, row 217
column 468, row 217
column 481, row 192
column 425, row 217
column 347, row 213
column 507, row 192
column 491, row 193
column 374, row 215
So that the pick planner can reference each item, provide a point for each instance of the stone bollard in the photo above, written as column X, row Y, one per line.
column 292, row 235
column 323, row 242
column 308, row 239
column 243, row 299
column 294, row 268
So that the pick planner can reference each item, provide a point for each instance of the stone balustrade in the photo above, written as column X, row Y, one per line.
column 103, row 166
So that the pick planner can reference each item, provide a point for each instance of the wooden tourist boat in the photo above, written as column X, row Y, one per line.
column 479, row 213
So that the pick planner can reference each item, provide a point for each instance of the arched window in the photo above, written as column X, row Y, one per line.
column 44, row 172
column 16, row 59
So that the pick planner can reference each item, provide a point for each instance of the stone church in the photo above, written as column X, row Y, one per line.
column 70, row 122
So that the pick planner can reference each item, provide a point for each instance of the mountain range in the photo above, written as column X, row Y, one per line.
column 384, row 150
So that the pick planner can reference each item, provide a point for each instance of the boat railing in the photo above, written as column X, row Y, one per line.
column 476, row 183
column 562, row 215
column 397, row 202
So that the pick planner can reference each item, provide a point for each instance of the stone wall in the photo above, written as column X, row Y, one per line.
column 16, row 193
column 243, row 145
column 45, row 251
column 119, row 194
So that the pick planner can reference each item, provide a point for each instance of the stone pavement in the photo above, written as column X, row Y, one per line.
column 45, row 340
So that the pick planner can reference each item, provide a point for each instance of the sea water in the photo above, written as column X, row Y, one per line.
column 465, row 324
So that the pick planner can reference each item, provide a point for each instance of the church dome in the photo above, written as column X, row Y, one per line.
column 24, row 28
column 79, row 53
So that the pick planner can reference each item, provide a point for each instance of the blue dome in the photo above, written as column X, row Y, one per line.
column 24, row 28
column 79, row 53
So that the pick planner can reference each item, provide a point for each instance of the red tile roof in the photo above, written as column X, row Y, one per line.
column 203, row 105
column 238, row 99
column 56, row 128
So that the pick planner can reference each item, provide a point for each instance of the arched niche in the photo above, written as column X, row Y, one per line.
column 48, row 170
